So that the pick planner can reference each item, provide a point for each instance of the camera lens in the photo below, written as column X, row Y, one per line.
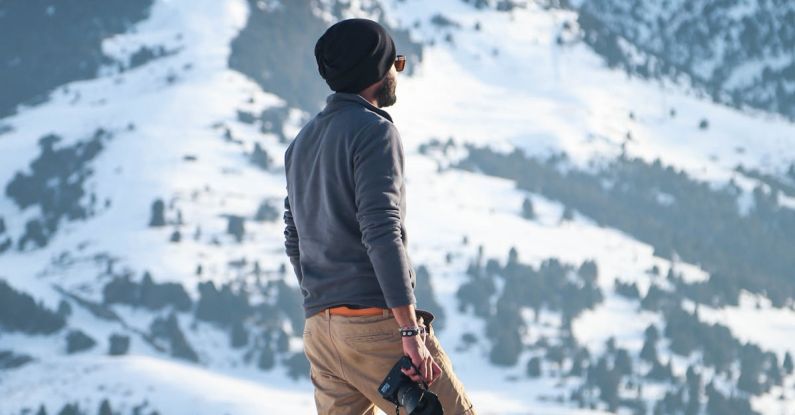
column 410, row 397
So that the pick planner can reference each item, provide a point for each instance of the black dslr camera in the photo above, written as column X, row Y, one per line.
column 402, row 391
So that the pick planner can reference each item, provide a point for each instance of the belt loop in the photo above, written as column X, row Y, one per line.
column 386, row 312
column 327, row 313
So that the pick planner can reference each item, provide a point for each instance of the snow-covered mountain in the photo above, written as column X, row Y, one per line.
column 592, row 241
column 739, row 53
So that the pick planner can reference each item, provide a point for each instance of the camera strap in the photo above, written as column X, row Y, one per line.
column 416, row 369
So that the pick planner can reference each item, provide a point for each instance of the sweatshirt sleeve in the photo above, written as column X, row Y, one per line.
column 291, row 240
column 290, row 231
column 378, row 176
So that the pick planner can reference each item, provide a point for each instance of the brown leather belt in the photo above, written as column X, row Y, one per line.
column 346, row 311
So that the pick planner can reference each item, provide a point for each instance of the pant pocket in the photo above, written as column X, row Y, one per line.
column 426, row 317
column 374, row 337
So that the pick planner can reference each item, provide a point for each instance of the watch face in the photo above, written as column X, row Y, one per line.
column 409, row 332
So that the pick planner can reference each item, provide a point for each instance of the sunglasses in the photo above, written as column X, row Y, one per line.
column 400, row 62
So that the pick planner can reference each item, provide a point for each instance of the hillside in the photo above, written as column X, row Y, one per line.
column 594, row 238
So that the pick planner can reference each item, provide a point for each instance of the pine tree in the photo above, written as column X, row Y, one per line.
column 70, row 409
column 649, row 351
column 238, row 336
column 534, row 367
column 282, row 341
column 651, row 333
column 789, row 367
column 588, row 270
column 236, row 226
column 158, row 213
column 623, row 363
column 607, row 380
column 21, row 312
column 774, row 370
column 528, row 212
column 749, row 376
column 693, row 391
column 506, row 348
column 266, row 212
column 610, row 345
column 260, row 157
column 104, row 408
column 168, row 328
column 660, row 372
column 119, row 344
column 576, row 366
column 64, row 309
column 555, row 354
column 77, row 341
column 266, row 358
column 297, row 365
column 513, row 256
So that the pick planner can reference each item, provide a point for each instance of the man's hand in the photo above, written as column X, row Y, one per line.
column 414, row 347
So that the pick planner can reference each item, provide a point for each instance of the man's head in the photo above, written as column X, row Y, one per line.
column 358, row 56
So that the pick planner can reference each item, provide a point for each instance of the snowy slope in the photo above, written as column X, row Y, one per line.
column 507, row 84
column 171, row 120
column 159, row 384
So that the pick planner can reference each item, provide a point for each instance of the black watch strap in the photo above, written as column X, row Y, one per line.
column 411, row 331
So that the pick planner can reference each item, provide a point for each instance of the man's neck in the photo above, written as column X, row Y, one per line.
column 370, row 99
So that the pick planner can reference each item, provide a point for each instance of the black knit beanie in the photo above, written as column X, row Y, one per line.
column 353, row 54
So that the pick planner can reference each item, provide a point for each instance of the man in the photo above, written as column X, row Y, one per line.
column 345, row 235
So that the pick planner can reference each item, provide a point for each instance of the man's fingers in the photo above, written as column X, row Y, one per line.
column 432, row 369
column 424, row 370
column 429, row 371
column 411, row 371
column 437, row 371
column 413, row 376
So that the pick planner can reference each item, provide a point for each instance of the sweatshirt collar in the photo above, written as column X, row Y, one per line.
column 342, row 98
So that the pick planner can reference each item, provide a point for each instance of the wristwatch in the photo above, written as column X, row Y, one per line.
column 411, row 331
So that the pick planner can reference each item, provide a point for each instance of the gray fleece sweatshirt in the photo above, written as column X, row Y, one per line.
column 345, row 208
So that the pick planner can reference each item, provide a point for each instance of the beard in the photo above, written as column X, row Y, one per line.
column 385, row 95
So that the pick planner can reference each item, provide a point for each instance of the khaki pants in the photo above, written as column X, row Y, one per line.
column 350, row 356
